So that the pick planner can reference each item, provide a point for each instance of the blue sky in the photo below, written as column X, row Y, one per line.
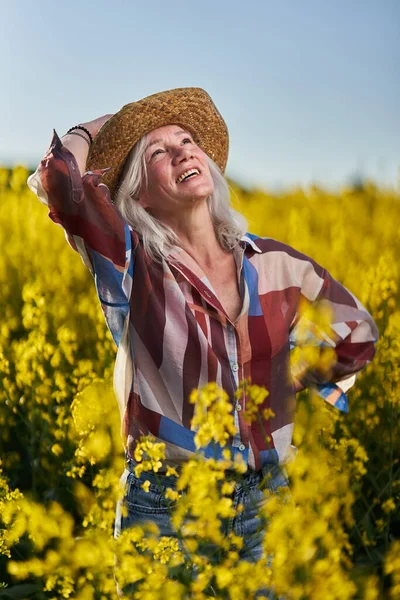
column 309, row 89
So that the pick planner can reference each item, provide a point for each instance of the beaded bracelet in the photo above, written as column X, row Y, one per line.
column 84, row 129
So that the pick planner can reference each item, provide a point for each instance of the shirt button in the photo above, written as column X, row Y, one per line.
column 238, row 407
column 235, row 367
column 242, row 447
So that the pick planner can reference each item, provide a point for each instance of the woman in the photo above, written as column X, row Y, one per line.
column 187, row 294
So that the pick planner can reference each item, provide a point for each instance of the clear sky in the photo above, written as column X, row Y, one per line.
column 309, row 89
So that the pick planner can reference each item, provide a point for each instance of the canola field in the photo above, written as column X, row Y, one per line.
column 336, row 537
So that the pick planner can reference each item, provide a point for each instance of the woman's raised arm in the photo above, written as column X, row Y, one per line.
column 81, row 204
column 77, row 144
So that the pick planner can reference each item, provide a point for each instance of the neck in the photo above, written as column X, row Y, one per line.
column 195, row 231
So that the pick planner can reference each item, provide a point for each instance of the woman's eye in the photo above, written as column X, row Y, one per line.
column 183, row 141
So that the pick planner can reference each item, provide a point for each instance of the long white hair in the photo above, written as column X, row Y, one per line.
column 158, row 238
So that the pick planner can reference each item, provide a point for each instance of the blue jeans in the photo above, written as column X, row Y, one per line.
column 154, row 506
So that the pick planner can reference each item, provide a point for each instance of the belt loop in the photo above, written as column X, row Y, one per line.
column 128, row 461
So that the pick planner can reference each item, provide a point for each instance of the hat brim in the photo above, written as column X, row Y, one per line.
column 191, row 108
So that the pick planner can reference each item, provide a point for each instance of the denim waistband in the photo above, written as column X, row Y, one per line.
column 248, row 477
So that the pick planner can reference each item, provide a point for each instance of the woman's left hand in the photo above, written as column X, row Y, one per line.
column 298, row 386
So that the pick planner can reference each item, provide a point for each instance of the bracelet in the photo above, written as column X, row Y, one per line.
column 84, row 129
column 80, row 135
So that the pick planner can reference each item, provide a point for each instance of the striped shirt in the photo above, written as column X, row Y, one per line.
column 173, row 334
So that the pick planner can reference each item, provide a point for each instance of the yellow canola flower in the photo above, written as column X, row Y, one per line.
column 392, row 568
column 172, row 494
column 149, row 455
column 146, row 485
column 57, row 449
column 253, row 397
column 97, row 445
column 171, row 471
column 167, row 550
column 213, row 419
column 389, row 505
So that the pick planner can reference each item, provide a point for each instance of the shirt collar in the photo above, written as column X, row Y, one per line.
column 178, row 254
column 249, row 241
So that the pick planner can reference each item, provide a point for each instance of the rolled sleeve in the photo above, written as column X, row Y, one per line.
column 92, row 225
column 353, row 335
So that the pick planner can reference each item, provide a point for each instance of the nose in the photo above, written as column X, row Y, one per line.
column 182, row 153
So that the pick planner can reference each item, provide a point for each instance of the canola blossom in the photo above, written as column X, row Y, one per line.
column 335, row 534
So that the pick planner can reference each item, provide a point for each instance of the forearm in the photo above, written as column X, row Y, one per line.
column 78, row 146
column 81, row 205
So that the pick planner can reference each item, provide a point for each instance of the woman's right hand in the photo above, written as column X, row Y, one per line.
column 80, row 148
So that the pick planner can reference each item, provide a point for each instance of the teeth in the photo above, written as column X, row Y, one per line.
column 186, row 173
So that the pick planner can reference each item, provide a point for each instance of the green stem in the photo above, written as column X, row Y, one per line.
column 397, row 473
column 387, row 532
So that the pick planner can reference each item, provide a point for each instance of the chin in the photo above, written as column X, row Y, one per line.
column 198, row 197
column 203, row 192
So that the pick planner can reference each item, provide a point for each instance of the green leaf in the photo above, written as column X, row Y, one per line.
column 23, row 590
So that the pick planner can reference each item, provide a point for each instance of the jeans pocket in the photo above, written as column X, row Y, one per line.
column 151, row 506
column 153, row 501
column 278, row 478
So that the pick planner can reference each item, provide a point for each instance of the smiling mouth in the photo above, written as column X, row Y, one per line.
column 190, row 174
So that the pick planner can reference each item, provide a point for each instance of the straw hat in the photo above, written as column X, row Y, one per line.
column 191, row 108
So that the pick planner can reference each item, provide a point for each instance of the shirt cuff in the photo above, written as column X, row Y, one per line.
column 333, row 394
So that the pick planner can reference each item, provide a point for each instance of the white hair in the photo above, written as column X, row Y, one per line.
column 159, row 238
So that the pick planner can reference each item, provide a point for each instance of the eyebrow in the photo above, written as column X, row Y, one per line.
column 158, row 141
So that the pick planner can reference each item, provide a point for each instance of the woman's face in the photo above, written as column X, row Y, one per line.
column 170, row 153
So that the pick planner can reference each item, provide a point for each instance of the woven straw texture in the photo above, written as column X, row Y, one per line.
column 191, row 108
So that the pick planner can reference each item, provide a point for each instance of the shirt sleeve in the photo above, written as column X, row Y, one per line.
column 352, row 334
column 92, row 225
